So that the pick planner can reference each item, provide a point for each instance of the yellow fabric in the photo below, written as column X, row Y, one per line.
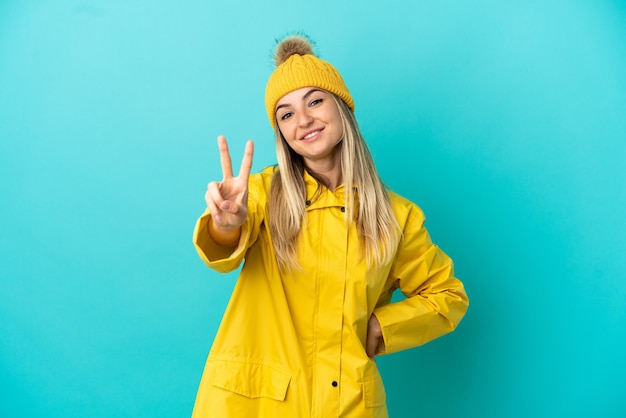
column 303, row 71
column 284, row 339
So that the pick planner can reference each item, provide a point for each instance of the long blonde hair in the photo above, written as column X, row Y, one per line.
column 376, row 223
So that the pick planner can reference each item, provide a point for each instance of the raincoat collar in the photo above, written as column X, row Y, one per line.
column 319, row 196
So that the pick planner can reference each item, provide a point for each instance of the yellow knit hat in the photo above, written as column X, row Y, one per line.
column 297, row 67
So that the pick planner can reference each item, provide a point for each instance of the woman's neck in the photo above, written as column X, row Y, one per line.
column 328, row 173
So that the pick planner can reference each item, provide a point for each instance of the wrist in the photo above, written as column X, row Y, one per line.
column 224, row 236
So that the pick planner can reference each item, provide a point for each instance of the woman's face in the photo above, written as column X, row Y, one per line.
column 310, row 122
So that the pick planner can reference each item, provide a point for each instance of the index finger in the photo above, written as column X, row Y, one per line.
column 227, row 166
column 246, row 162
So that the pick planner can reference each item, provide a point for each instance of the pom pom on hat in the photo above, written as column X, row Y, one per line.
column 297, row 67
column 297, row 44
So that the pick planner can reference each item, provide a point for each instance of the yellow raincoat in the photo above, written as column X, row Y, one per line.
column 293, row 346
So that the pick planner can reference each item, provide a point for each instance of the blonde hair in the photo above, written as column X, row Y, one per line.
column 377, row 227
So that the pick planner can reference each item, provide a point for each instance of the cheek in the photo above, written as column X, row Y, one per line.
column 285, row 139
column 339, row 132
column 287, row 133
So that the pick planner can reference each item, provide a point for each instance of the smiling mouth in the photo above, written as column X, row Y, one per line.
column 311, row 134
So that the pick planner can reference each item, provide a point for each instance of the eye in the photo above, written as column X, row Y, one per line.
column 286, row 116
column 315, row 102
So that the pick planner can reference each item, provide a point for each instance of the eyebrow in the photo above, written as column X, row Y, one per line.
column 307, row 94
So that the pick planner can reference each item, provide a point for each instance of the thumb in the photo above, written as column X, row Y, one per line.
column 229, row 206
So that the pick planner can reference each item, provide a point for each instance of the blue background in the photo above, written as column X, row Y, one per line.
column 505, row 122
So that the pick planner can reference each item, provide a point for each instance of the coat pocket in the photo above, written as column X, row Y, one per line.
column 252, row 380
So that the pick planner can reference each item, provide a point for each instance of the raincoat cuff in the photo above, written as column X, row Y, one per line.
column 220, row 258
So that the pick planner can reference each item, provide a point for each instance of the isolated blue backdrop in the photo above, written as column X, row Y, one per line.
column 505, row 122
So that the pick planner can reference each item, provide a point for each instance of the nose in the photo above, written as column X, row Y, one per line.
column 305, row 119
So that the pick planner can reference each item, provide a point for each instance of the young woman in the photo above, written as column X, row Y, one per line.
column 324, row 246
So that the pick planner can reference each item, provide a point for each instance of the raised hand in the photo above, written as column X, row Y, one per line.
column 228, row 199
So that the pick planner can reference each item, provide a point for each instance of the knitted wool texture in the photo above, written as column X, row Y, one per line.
column 299, row 71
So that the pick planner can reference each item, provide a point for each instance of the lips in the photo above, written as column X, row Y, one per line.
column 312, row 134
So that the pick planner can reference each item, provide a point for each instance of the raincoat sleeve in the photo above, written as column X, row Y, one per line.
column 226, row 259
column 435, row 300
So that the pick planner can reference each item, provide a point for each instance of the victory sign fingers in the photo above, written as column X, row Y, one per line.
column 227, row 200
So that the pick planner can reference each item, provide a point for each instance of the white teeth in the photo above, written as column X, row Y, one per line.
column 311, row 135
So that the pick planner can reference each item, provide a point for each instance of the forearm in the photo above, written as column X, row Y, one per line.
column 422, row 318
